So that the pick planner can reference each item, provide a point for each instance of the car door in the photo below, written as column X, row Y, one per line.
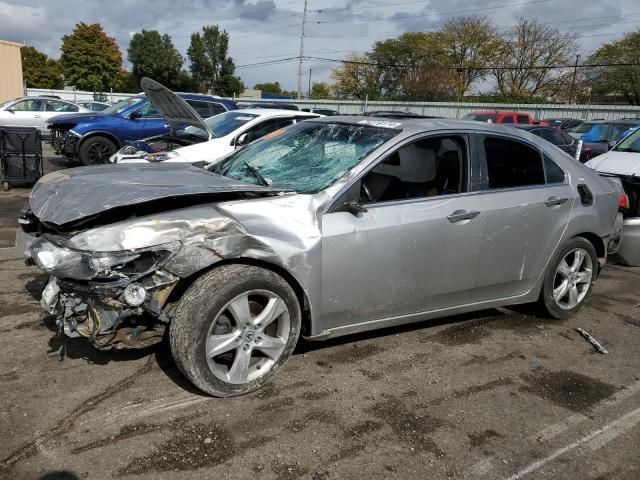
column 415, row 248
column 527, row 203
column 145, row 122
column 57, row 107
column 24, row 113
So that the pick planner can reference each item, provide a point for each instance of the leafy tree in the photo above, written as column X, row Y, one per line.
column 40, row 71
column 210, row 64
column 470, row 44
column 357, row 78
column 90, row 59
column 320, row 90
column 153, row 55
column 525, row 57
column 621, row 80
column 269, row 87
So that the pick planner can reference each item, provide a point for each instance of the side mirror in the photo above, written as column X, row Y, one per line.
column 242, row 140
column 354, row 208
column 135, row 115
column 11, row 110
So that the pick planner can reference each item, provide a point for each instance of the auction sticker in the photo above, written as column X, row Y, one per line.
column 380, row 123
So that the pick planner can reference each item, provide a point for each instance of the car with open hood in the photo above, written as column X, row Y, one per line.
column 328, row 227
column 204, row 140
column 92, row 138
column 623, row 162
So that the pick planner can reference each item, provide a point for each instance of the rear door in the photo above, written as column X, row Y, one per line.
column 527, row 202
column 56, row 107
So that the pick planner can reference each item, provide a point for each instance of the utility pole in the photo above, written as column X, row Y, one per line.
column 310, row 84
column 573, row 81
column 304, row 21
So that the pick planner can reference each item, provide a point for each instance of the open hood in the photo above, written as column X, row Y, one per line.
column 617, row 163
column 173, row 109
column 73, row 194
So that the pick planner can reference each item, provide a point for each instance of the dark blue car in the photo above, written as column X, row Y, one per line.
column 92, row 138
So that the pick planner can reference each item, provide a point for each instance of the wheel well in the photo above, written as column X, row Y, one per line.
column 596, row 241
column 100, row 134
column 301, row 295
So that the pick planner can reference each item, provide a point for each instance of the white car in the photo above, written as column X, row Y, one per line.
column 202, row 140
column 623, row 161
column 35, row 111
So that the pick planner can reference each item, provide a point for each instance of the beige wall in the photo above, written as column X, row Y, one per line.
column 11, row 84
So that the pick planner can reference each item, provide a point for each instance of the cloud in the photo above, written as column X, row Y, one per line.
column 263, row 30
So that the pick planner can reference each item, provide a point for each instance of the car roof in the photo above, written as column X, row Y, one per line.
column 40, row 97
column 276, row 112
column 497, row 112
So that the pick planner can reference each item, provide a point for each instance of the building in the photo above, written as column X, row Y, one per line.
column 11, row 82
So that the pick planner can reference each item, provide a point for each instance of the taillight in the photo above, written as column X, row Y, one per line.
column 624, row 202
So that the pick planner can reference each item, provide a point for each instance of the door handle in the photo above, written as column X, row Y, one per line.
column 37, row 116
column 460, row 215
column 554, row 201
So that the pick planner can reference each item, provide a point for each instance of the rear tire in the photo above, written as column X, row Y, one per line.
column 569, row 278
column 96, row 150
column 234, row 328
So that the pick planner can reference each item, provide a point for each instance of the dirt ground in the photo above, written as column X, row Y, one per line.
column 494, row 394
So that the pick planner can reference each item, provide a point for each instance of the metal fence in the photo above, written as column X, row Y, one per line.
column 438, row 109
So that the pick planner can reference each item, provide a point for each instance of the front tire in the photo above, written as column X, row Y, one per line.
column 569, row 278
column 234, row 328
column 96, row 150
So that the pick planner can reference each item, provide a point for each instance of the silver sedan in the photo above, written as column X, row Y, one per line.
column 35, row 111
column 325, row 228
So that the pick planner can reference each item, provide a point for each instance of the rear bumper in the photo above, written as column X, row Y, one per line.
column 628, row 251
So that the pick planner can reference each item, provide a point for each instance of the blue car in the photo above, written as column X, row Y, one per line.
column 91, row 138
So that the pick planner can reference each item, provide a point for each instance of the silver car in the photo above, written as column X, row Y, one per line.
column 325, row 228
column 35, row 112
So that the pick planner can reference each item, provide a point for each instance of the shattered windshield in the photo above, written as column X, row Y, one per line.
column 630, row 144
column 306, row 157
column 122, row 105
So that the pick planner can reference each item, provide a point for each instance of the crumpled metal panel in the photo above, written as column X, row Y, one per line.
column 70, row 195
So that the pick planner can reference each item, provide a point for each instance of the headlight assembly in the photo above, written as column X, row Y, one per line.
column 100, row 266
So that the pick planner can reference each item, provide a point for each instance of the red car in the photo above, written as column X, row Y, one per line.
column 504, row 117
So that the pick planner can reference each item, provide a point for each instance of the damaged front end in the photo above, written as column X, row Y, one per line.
column 114, row 299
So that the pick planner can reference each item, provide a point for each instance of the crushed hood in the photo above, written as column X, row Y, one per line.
column 617, row 163
column 70, row 195
column 173, row 109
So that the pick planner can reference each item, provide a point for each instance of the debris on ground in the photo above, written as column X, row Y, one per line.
column 591, row 340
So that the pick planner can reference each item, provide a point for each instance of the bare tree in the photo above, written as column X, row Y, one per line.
column 471, row 44
column 526, row 55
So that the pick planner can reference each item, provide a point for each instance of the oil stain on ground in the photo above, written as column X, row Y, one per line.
column 460, row 334
column 478, row 439
column 567, row 389
column 352, row 353
column 407, row 426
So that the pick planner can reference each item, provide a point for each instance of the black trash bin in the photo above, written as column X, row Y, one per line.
column 20, row 156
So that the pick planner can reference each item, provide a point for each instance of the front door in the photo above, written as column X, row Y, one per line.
column 415, row 249
column 527, row 204
column 25, row 113
column 147, row 122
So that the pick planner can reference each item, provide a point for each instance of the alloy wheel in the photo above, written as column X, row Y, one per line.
column 99, row 152
column 572, row 279
column 248, row 336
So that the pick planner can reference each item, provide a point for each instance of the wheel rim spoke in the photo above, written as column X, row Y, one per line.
column 564, row 269
column 578, row 259
column 239, row 309
column 573, row 296
column 274, row 308
column 584, row 276
column 240, row 368
column 271, row 346
column 561, row 291
column 219, row 344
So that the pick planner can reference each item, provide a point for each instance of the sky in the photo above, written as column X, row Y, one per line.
column 269, row 30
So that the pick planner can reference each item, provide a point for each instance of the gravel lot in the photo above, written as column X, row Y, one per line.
column 495, row 394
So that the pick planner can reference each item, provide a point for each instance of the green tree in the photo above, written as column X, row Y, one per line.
column 320, row 90
column 525, row 57
column 621, row 80
column 90, row 59
column 210, row 64
column 269, row 87
column 470, row 44
column 357, row 78
column 153, row 55
column 39, row 71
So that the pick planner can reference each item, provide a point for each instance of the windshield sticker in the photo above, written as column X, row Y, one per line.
column 380, row 123
column 244, row 119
